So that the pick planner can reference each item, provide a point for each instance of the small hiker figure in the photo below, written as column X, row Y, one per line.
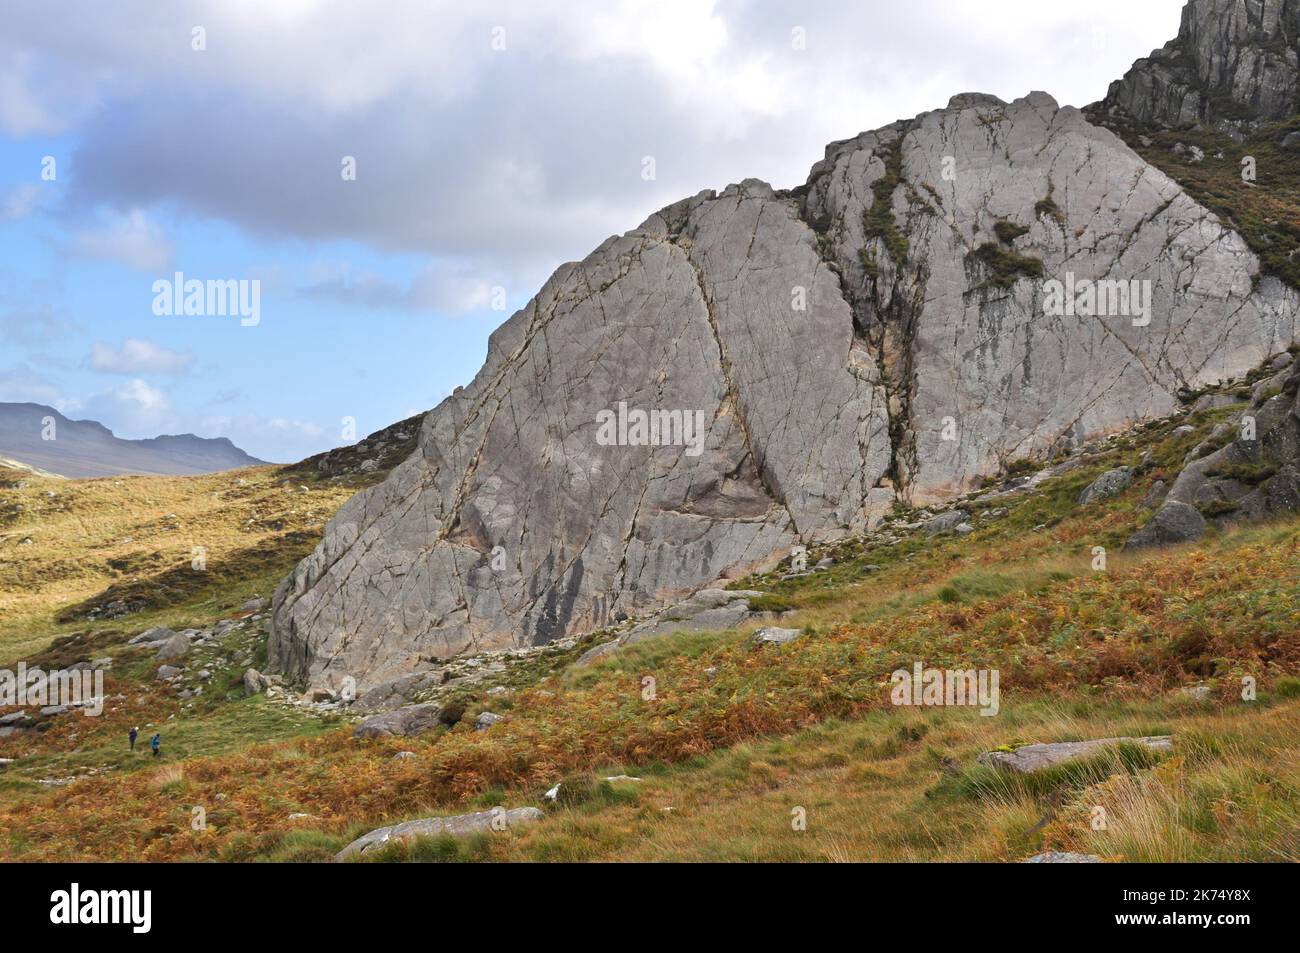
column 155, row 743
column 132, row 736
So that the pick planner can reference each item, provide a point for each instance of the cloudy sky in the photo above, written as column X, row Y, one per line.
column 491, row 144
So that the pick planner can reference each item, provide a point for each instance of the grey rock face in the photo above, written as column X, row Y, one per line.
column 411, row 720
column 830, row 339
column 461, row 825
column 1030, row 758
column 1232, row 60
column 1108, row 484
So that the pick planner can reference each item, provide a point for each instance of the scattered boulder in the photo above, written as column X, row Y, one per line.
column 461, row 825
column 1174, row 523
column 174, row 647
column 167, row 672
column 486, row 720
column 255, row 604
column 101, row 664
column 774, row 635
column 1030, row 758
column 403, row 756
column 411, row 720
column 255, row 682
column 155, row 636
column 945, row 523
column 1108, row 484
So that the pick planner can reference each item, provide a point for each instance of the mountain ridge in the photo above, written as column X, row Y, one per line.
column 86, row 448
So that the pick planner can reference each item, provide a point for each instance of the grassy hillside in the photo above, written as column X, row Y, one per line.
column 738, row 736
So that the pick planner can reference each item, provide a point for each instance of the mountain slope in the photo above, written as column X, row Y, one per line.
column 84, row 448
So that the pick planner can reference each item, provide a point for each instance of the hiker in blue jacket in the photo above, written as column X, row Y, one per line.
column 132, row 736
column 155, row 743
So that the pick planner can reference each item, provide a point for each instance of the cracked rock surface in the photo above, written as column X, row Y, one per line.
column 876, row 335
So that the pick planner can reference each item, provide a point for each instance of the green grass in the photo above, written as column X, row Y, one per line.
column 1004, row 266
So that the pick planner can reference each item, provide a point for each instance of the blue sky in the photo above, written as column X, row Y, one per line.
column 491, row 145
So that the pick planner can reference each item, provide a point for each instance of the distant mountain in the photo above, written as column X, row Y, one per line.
column 84, row 448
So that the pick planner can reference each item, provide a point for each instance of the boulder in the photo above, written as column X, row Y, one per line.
column 174, row 647
column 945, row 523
column 255, row 682
column 166, row 673
column 157, row 635
column 1030, row 758
column 774, row 635
column 1108, row 484
column 1173, row 523
column 411, row 720
column 486, row 720
column 462, row 825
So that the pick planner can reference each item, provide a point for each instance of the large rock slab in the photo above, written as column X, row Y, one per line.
column 846, row 346
column 461, row 825
column 1030, row 758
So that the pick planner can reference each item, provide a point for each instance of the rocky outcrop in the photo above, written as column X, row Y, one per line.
column 1247, row 469
column 892, row 331
column 1233, row 61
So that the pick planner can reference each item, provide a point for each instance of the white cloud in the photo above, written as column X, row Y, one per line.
column 132, row 410
column 130, row 240
column 21, row 384
column 138, row 356
column 19, row 203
